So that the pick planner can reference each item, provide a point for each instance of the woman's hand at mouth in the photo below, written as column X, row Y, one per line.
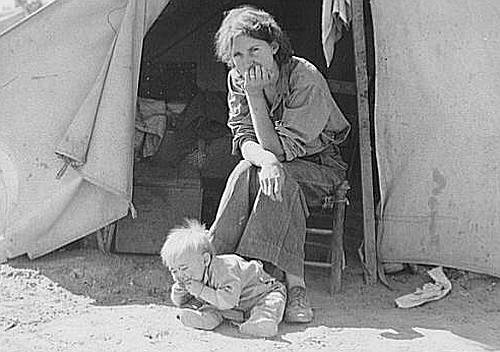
column 256, row 79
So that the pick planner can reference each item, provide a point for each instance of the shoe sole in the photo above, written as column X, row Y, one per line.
column 193, row 320
column 259, row 329
column 298, row 319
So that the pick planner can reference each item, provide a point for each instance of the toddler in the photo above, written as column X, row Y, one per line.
column 223, row 285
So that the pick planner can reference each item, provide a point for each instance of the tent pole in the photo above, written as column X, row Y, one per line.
column 365, row 143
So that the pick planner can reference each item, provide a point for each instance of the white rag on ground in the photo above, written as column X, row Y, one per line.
column 429, row 292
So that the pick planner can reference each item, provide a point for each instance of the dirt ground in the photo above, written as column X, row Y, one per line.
column 79, row 299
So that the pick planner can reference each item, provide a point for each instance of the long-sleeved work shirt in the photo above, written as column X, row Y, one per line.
column 229, row 282
column 306, row 118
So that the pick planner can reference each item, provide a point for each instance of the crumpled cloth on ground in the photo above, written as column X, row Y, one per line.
column 150, row 125
column 428, row 292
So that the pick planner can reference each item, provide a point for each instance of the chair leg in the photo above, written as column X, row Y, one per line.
column 337, row 240
column 337, row 257
column 336, row 272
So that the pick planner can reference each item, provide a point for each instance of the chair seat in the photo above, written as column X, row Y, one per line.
column 333, row 232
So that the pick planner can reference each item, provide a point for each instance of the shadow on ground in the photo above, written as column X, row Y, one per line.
column 471, row 311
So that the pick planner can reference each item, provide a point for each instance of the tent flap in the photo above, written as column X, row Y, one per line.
column 75, row 143
column 68, row 85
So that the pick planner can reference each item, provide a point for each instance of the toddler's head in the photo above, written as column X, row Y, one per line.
column 187, row 251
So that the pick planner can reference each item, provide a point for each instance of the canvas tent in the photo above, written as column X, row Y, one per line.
column 438, row 132
column 10, row 17
column 68, row 87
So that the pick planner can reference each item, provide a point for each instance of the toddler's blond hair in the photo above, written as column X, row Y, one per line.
column 190, row 237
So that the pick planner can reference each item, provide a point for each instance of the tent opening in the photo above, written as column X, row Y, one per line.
column 183, row 147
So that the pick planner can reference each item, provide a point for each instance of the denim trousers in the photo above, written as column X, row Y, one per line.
column 252, row 225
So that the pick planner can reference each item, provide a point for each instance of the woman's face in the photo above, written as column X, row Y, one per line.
column 247, row 51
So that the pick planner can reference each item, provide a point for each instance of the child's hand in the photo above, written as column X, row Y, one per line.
column 181, row 286
column 193, row 287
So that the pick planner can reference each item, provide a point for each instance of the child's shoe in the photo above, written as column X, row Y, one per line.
column 263, row 327
column 200, row 319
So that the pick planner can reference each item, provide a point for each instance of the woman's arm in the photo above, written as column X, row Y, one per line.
column 263, row 126
column 257, row 155
column 255, row 81
column 268, row 152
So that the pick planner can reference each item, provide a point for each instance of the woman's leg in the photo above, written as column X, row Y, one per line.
column 234, row 209
column 294, row 280
column 252, row 225
column 316, row 181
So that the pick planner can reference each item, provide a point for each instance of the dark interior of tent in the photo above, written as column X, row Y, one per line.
column 180, row 78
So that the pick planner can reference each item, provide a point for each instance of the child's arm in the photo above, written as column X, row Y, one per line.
column 226, row 295
column 179, row 294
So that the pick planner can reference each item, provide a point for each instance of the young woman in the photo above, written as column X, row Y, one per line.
column 286, row 128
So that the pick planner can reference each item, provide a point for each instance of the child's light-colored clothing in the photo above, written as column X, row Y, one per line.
column 231, row 282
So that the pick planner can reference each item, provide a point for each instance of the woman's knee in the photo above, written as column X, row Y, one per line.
column 243, row 166
column 241, row 171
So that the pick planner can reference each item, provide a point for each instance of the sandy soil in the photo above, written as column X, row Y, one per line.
column 79, row 299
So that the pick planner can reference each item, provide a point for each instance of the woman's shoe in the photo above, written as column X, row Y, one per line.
column 298, row 309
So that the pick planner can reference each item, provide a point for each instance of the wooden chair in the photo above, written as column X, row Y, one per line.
column 334, row 206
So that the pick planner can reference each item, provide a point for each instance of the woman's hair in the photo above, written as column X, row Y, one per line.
column 191, row 237
column 255, row 23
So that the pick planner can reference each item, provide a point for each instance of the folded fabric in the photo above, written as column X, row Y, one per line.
column 336, row 15
column 150, row 125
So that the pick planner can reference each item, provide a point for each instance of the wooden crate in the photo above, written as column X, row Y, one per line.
column 160, row 206
column 163, row 197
